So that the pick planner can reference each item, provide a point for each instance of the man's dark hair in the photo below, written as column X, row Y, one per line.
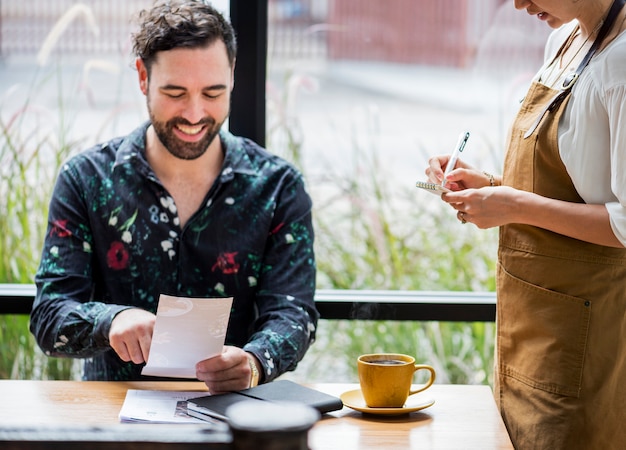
column 174, row 24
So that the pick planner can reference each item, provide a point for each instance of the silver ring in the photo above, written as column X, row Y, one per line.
column 462, row 217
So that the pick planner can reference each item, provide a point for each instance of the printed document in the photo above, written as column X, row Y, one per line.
column 141, row 406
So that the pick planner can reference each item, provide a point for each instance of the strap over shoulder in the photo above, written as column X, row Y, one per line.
column 571, row 79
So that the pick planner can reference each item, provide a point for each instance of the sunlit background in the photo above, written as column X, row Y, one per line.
column 359, row 94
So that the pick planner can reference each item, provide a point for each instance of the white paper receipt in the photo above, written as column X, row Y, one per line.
column 186, row 331
column 433, row 188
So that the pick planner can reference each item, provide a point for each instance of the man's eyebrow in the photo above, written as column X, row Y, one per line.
column 215, row 87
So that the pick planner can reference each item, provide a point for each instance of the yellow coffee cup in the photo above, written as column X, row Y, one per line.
column 386, row 378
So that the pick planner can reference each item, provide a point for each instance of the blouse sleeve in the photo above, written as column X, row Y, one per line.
column 616, row 107
column 592, row 134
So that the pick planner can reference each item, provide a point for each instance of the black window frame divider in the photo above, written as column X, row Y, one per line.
column 247, row 116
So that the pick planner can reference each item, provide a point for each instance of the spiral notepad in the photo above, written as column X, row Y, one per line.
column 433, row 188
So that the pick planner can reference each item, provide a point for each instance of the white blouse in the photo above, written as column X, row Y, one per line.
column 592, row 130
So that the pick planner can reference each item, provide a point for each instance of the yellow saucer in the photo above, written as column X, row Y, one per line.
column 354, row 399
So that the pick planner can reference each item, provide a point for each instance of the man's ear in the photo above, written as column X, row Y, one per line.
column 142, row 73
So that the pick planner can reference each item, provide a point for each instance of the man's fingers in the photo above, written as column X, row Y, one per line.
column 131, row 334
column 130, row 351
column 121, row 350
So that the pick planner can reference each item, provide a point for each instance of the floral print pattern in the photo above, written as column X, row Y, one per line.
column 114, row 241
column 117, row 256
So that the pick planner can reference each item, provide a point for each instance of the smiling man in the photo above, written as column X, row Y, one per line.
column 181, row 207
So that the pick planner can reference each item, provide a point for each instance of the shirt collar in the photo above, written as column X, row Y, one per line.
column 236, row 159
column 132, row 149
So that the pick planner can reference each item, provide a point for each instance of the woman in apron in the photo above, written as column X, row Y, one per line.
column 561, row 208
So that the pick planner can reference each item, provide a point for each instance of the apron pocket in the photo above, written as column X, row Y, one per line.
column 542, row 335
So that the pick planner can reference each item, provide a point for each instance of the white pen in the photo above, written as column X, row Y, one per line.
column 455, row 156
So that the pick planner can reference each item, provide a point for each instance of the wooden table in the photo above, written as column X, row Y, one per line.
column 37, row 414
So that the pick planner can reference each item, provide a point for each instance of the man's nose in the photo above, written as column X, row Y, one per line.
column 193, row 110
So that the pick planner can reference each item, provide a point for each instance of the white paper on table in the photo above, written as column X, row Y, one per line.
column 142, row 406
column 186, row 331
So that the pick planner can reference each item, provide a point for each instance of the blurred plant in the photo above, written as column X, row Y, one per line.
column 29, row 158
column 283, row 126
column 34, row 142
column 372, row 234
column 461, row 353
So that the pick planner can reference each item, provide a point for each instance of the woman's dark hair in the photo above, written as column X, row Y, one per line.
column 174, row 24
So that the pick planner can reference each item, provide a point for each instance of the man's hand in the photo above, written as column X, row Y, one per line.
column 227, row 372
column 131, row 334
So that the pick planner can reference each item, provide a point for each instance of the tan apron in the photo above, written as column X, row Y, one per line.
column 561, row 320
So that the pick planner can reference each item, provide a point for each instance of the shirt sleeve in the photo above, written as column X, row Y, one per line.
column 592, row 134
column 616, row 101
column 65, row 320
column 287, row 318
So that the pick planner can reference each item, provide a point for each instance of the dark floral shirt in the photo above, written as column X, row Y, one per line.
column 114, row 241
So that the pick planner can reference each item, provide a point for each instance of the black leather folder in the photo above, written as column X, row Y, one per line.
column 215, row 406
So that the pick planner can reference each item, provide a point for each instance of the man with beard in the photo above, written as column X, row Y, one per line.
column 179, row 207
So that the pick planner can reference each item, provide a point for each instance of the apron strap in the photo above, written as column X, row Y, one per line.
column 571, row 79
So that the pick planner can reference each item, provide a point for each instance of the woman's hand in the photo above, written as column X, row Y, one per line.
column 463, row 176
column 474, row 196
column 486, row 207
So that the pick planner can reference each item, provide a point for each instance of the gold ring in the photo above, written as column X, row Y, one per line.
column 462, row 216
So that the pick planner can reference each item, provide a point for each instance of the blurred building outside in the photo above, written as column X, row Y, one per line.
column 414, row 72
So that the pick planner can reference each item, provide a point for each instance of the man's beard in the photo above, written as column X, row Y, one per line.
column 177, row 147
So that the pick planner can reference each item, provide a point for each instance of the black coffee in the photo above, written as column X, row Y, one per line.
column 387, row 361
